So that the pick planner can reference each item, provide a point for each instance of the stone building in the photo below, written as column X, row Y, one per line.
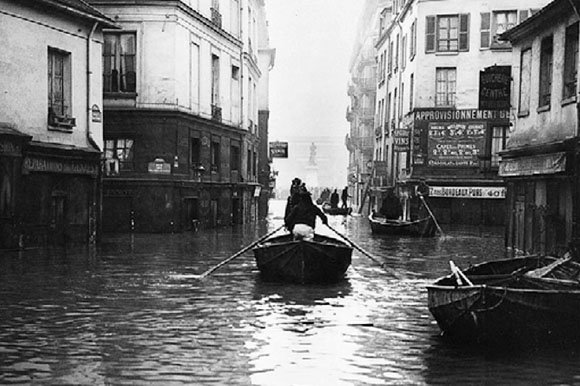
column 540, row 163
column 181, row 125
column 442, row 105
column 50, row 121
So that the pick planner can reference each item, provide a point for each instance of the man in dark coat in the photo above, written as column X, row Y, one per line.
column 334, row 199
column 391, row 206
column 302, row 218
column 344, row 197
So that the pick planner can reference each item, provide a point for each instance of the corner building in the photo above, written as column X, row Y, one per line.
column 181, row 114
column 442, row 105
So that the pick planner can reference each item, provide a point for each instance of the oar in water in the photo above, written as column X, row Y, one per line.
column 363, row 251
column 431, row 214
column 241, row 251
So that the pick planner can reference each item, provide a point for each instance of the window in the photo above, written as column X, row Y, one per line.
column 215, row 156
column 215, row 80
column 570, row 62
column 59, row 89
column 119, row 150
column 254, row 164
column 235, row 73
column 411, row 85
column 499, row 139
column 195, row 152
column 413, row 48
column 249, row 163
column 525, row 81
column 447, row 33
column 119, row 63
column 396, row 59
column 235, row 157
column 502, row 21
column 446, row 84
column 390, row 62
column 546, row 63
column 495, row 23
column 404, row 52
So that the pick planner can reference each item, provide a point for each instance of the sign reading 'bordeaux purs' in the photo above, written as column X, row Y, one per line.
column 278, row 149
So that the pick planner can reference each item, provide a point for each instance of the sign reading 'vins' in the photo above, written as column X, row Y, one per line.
column 278, row 149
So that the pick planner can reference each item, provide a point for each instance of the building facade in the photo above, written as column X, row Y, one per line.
column 442, row 105
column 540, row 163
column 181, row 126
column 361, row 111
column 50, row 121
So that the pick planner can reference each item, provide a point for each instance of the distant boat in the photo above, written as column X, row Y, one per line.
column 283, row 259
column 326, row 208
column 506, row 301
column 424, row 227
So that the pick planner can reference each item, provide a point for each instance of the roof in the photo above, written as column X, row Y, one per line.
column 78, row 8
column 548, row 16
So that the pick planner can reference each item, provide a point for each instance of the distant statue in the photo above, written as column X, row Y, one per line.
column 312, row 159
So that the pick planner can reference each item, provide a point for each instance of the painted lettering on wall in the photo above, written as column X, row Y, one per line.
column 47, row 165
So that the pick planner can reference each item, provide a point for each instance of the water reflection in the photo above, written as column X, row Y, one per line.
column 132, row 312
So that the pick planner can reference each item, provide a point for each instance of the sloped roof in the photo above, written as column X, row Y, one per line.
column 79, row 8
column 546, row 17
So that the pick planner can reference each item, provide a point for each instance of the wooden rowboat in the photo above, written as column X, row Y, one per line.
column 505, row 302
column 326, row 208
column 424, row 227
column 283, row 259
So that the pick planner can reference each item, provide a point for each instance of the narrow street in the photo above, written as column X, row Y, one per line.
column 133, row 312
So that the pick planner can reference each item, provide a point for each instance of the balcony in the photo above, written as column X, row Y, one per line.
column 216, row 113
column 216, row 17
column 366, row 84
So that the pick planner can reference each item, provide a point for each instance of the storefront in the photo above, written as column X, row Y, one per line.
column 540, row 199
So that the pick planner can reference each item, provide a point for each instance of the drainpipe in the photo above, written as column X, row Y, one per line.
column 94, row 231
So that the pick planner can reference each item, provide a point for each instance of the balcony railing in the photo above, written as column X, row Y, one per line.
column 216, row 113
column 216, row 17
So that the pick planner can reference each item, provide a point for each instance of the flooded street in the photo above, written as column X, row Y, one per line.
column 132, row 312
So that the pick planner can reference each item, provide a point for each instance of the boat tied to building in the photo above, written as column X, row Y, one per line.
column 284, row 259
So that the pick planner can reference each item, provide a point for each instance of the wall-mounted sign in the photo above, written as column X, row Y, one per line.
column 49, row 165
column 401, row 140
column 533, row 165
column 159, row 166
column 455, row 144
column 10, row 148
column 494, row 88
column 467, row 191
column 278, row 149
column 96, row 115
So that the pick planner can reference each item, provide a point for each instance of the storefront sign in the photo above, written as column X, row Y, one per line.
column 48, row 165
column 533, row 165
column 461, row 115
column 455, row 144
column 467, row 191
column 402, row 140
column 494, row 88
column 10, row 148
column 257, row 191
column 278, row 149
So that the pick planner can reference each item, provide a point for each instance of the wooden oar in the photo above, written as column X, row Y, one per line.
column 431, row 214
column 459, row 275
column 241, row 251
column 363, row 251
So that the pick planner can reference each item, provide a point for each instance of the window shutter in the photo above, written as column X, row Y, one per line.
column 524, row 14
column 430, row 34
column 464, row 32
column 485, row 29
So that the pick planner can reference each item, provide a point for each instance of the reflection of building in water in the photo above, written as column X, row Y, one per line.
column 330, row 163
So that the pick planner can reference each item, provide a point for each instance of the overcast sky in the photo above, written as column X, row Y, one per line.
column 313, row 41
column 308, row 84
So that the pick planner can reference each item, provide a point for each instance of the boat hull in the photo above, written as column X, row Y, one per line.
column 282, row 259
column 336, row 211
column 503, row 307
column 424, row 227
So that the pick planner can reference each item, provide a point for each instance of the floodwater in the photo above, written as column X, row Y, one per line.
column 133, row 312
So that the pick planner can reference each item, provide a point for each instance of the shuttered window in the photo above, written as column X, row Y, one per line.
column 447, row 33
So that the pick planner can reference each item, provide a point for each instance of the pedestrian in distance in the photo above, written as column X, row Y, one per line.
column 344, row 197
column 302, row 218
column 334, row 199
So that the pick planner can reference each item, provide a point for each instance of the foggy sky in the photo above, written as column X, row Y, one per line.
column 308, row 84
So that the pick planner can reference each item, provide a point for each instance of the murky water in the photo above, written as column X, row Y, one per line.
column 132, row 312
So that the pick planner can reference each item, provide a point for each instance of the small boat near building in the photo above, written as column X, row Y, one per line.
column 423, row 227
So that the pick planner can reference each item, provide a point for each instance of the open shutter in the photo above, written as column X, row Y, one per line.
column 485, row 29
column 464, row 32
column 430, row 34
